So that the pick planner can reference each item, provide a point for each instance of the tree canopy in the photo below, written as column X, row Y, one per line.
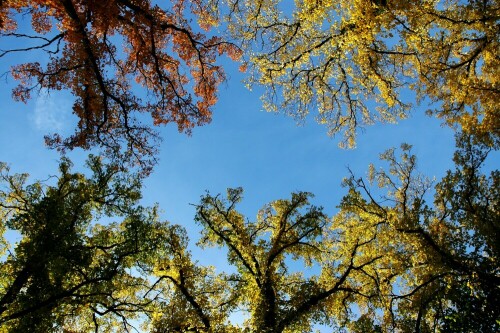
column 405, row 264
column 362, row 61
column 389, row 260
column 403, row 253
column 440, row 271
column 68, row 272
column 101, row 51
column 357, row 62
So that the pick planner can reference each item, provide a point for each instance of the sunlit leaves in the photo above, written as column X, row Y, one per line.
column 361, row 61
column 439, row 260
column 288, row 232
column 403, row 264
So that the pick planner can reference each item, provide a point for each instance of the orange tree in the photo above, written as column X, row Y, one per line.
column 98, row 50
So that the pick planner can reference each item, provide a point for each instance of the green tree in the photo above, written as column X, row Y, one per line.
column 404, row 265
column 68, row 272
column 441, row 267
column 356, row 61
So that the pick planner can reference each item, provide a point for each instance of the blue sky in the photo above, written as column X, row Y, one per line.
column 267, row 154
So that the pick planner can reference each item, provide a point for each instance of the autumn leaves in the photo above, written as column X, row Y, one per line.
column 98, row 50
column 405, row 261
column 355, row 62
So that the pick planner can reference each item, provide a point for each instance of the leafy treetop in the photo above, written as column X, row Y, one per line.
column 265, row 286
column 68, row 272
column 357, row 61
column 404, row 264
column 440, row 266
column 100, row 50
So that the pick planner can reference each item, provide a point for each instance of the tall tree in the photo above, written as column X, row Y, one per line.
column 441, row 272
column 271, row 293
column 67, row 272
column 100, row 50
column 356, row 61
column 405, row 265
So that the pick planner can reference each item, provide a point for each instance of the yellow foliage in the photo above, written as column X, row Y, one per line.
column 353, row 60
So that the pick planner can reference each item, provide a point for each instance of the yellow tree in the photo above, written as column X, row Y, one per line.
column 440, row 265
column 100, row 50
column 360, row 61
column 192, row 298
column 273, row 295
